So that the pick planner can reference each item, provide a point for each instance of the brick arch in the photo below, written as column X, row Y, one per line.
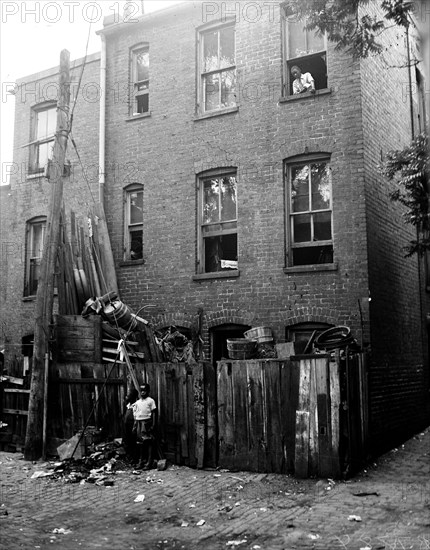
column 228, row 317
column 174, row 319
column 310, row 146
column 311, row 314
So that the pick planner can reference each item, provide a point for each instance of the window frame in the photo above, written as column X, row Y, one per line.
column 288, row 62
column 30, row 257
column 129, row 227
column 35, row 144
column 216, row 26
column 201, row 251
column 291, row 245
column 135, row 93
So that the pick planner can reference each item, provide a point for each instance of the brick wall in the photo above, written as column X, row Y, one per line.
column 27, row 197
column 170, row 147
column 166, row 151
column 399, row 371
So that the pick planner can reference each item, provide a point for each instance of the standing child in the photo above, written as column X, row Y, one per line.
column 144, row 411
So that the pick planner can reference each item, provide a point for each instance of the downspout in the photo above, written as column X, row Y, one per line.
column 102, row 121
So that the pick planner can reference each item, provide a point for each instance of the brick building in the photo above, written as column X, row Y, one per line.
column 232, row 202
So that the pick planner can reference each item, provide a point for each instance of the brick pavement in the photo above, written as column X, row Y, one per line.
column 240, row 509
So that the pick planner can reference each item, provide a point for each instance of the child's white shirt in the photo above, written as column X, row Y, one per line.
column 142, row 409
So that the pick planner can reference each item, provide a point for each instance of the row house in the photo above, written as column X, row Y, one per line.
column 232, row 202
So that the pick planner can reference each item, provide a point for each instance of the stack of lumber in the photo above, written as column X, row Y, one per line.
column 85, row 261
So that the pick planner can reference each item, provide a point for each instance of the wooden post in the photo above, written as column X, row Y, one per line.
column 45, row 288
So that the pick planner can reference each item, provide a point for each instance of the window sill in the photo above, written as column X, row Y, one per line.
column 297, row 97
column 127, row 263
column 216, row 275
column 29, row 298
column 138, row 117
column 311, row 268
column 211, row 114
column 35, row 175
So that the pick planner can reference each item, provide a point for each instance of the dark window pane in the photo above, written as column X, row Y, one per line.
column 321, row 188
column 302, row 228
column 313, row 255
column 211, row 201
column 142, row 104
column 228, row 198
column 136, row 245
column 322, row 226
column 220, row 253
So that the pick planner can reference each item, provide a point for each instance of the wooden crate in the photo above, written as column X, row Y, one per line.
column 78, row 339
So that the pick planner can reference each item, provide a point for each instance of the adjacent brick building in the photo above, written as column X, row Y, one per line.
column 232, row 203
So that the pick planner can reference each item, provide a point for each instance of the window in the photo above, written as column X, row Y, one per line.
column 217, row 89
column 34, row 248
column 301, row 333
column 306, row 49
column 133, row 246
column 140, row 80
column 217, row 222
column 44, row 122
column 309, row 212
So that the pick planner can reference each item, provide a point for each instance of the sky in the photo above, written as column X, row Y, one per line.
column 32, row 35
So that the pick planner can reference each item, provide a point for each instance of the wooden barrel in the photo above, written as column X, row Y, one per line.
column 118, row 313
column 241, row 348
column 260, row 334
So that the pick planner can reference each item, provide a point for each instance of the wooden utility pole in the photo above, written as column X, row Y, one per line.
column 45, row 288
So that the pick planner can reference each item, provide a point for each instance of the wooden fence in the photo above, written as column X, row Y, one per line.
column 307, row 415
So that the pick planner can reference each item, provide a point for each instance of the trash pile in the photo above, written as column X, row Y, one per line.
column 99, row 467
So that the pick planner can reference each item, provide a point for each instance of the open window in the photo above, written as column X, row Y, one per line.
column 133, row 230
column 35, row 235
column 217, row 222
column 43, row 125
column 305, row 49
column 309, row 211
column 217, row 68
column 139, row 60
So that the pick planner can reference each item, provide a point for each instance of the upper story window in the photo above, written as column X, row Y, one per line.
column 35, row 235
column 217, row 222
column 217, row 68
column 133, row 231
column 140, row 80
column 305, row 50
column 43, row 125
column 309, row 215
